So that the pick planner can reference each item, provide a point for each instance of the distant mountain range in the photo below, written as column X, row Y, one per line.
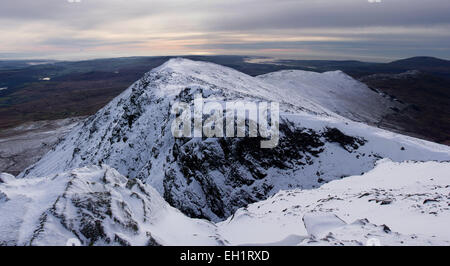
column 429, row 65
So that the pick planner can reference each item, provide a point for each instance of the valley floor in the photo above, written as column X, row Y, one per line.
column 24, row 145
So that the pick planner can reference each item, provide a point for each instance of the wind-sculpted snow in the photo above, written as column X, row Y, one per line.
column 212, row 177
column 394, row 204
column 95, row 206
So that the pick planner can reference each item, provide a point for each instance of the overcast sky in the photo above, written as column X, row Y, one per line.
column 305, row 29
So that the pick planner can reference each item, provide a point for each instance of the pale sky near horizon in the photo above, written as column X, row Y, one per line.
column 305, row 29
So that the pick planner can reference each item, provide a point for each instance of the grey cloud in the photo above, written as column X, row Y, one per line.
column 237, row 15
column 376, row 46
column 336, row 13
column 85, row 14
column 213, row 20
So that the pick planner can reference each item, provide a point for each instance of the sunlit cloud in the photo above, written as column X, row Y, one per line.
column 349, row 29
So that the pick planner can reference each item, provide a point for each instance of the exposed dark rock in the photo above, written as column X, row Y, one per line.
column 386, row 229
column 3, row 197
column 347, row 142
column 429, row 200
column 241, row 161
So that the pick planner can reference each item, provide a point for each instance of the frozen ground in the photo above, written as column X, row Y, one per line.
column 394, row 204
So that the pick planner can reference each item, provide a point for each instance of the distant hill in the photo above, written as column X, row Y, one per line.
column 430, row 65
column 421, row 61
column 15, row 64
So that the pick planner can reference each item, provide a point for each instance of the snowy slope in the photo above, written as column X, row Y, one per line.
column 335, row 91
column 409, row 203
column 96, row 206
column 394, row 204
column 212, row 178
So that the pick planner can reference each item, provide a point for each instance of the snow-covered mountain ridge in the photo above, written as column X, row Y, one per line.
column 211, row 178
column 394, row 204
column 336, row 91
column 96, row 206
